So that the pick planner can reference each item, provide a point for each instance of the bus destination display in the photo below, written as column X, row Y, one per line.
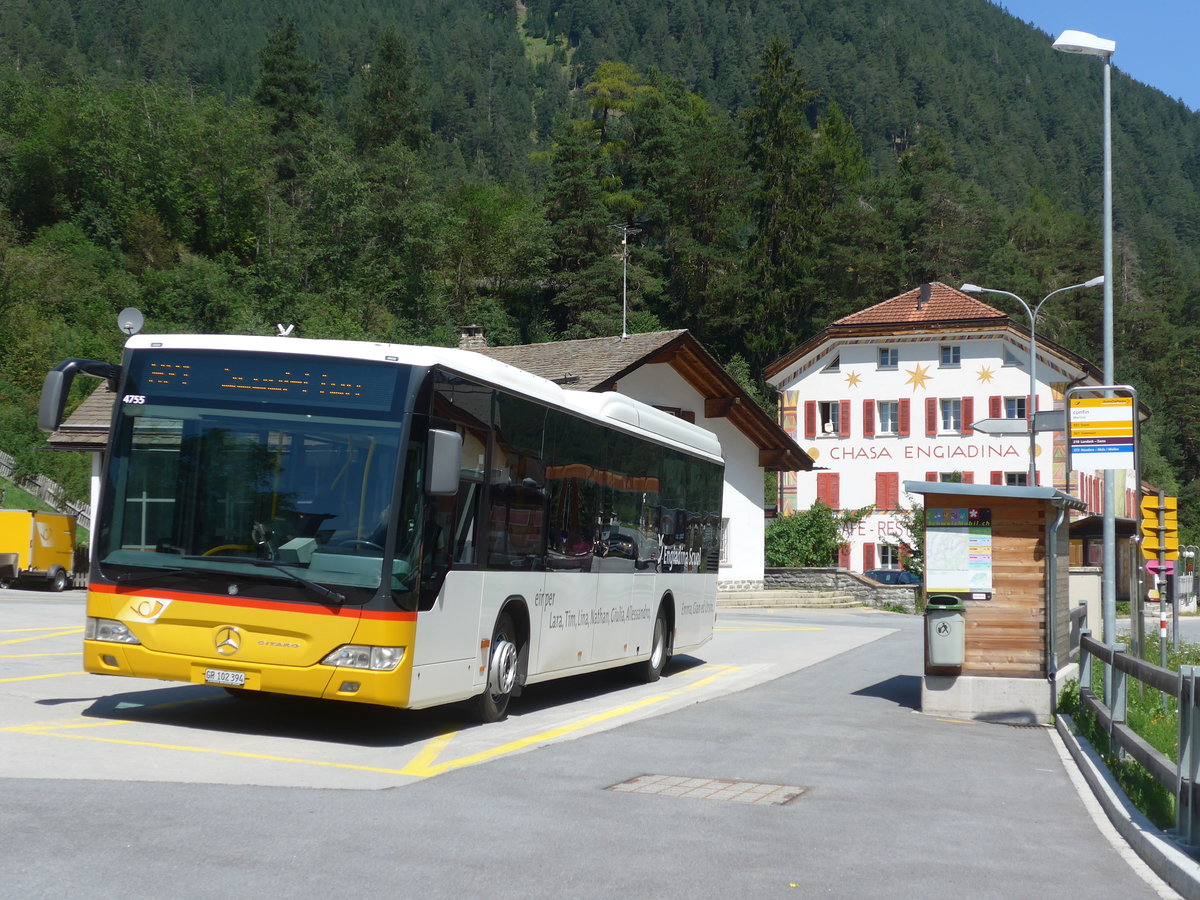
column 287, row 380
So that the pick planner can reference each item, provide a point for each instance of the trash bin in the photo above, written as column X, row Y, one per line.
column 945, row 630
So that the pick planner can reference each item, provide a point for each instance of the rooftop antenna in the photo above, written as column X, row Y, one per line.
column 626, row 231
column 130, row 320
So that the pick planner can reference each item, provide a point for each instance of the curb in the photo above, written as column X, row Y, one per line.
column 1155, row 848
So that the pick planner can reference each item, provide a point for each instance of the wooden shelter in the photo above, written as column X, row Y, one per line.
column 1004, row 553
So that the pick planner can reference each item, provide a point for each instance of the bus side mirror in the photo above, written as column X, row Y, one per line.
column 443, row 463
column 58, row 384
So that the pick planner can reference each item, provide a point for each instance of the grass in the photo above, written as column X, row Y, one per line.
column 1147, row 714
column 12, row 497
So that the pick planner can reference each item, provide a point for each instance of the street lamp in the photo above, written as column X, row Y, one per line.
column 1031, row 403
column 626, row 231
column 1090, row 45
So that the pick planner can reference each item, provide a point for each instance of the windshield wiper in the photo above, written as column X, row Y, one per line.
column 127, row 577
column 319, row 589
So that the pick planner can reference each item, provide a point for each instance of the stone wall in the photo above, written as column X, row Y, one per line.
column 869, row 592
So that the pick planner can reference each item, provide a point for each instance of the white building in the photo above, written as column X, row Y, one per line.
column 890, row 393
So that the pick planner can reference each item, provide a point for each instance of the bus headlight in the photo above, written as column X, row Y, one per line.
column 357, row 656
column 108, row 630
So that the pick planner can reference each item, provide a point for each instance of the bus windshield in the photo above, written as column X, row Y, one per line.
column 265, row 489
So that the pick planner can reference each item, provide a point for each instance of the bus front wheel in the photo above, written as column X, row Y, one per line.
column 652, row 668
column 492, row 704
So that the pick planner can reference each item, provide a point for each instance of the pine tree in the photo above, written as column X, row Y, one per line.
column 288, row 89
column 391, row 107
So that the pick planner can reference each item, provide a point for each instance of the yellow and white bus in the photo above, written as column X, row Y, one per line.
column 387, row 524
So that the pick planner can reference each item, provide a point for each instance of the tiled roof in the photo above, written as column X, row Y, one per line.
column 584, row 365
column 87, row 427
column 598, row 364
column 931, row 303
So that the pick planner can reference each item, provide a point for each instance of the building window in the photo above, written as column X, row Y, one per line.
column 724, row 542
column 889, row 416
column 1010, row 359
column 831, row 418
column 1014, row 407
column 889, row 357
column 952, row 415
column 951, row 356
column 835, row 364
column 889, row 556
column 1016, row 479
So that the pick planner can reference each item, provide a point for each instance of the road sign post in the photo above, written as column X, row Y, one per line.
column 1160, row 543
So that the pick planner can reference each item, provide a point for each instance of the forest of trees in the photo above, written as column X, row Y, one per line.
column 400, row 173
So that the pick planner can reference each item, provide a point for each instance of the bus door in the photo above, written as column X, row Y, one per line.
column 446, row 647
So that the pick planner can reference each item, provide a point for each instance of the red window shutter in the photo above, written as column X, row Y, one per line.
column 968, row 414
column 868, row 556
column 828, row 488
column 997, row 478
column 810, row 418
column 931, row 416
column 905, row 415
column 931, row 476
column 844, row 415
column 868, row 418
column 994, row 407
column 968, row 477
column 844, row 556
column 887, row 490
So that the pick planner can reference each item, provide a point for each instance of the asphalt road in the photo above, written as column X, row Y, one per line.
column 121, row 788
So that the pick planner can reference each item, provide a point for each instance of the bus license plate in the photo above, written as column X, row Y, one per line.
column 224, row 677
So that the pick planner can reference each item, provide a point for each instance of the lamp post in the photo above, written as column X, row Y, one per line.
column 626, row 231
column 1090, row 45
column 1031, row 403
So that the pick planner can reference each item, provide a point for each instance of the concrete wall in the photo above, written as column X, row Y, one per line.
column 842, row 581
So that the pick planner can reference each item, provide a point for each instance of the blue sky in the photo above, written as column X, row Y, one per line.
column 1158, row 41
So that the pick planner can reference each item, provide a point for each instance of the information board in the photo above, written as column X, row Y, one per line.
column 958, row 552
column 1101, row 433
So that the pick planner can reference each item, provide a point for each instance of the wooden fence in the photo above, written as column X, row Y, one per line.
column 49, row 492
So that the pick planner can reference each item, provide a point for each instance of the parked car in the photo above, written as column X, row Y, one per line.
column 892, row 576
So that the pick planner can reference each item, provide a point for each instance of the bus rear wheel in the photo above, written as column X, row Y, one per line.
column 492, row 704
column 58, row 582
column 651, row 669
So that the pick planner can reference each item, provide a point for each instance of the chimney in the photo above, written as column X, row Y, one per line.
column 472, row 337
column 923, row 295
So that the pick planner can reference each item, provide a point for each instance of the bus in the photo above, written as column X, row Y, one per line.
column 396, row 525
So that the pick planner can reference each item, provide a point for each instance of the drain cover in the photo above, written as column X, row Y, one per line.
column 710, row 789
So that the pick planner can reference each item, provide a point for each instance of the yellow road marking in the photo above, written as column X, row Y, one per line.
column 25, row 630
column 958, row 721
column 42, row 637
column 422, row 765
column 422, row 769
column 768, row 628
column 32, row 655
column 37, row 677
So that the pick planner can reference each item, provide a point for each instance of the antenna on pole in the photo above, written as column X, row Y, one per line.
column 626, row 231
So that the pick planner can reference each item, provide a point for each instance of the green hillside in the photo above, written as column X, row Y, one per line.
column 393, row 171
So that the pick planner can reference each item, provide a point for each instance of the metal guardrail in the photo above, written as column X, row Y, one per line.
column 1180, row 779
